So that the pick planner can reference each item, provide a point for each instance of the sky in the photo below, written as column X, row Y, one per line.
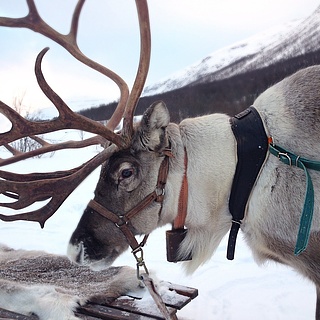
column 183, row 32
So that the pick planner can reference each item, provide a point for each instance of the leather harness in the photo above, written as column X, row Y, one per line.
column 252, row 147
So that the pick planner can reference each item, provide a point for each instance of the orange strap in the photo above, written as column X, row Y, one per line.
column 183, row 198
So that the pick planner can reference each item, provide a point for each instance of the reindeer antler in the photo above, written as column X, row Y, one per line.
column 29, row 188
column 22, row 127
column 145, row 52
column 34, row 22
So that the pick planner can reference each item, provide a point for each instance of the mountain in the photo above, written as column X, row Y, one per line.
column 279, row 43
column 230, row 79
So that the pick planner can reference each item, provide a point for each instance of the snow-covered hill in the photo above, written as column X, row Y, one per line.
column 288, row 40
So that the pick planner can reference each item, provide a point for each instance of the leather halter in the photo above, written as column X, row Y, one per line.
column 122, row 222
column 157, row 195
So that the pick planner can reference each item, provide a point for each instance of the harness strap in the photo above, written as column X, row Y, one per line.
column 179, row 221
column 291, row 159
column 252, row 146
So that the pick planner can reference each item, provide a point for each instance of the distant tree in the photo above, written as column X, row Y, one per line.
column 24, row 144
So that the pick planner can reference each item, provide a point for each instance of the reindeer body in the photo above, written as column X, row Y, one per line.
column 290, row 113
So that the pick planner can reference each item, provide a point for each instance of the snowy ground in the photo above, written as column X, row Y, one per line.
column 228, row 290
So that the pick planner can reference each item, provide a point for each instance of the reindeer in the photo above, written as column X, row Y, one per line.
column 156, row 172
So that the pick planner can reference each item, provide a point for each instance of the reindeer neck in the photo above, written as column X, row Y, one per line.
column 211, row 151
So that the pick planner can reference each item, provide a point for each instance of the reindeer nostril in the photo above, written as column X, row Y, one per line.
column 80, row 256
column 76, row 253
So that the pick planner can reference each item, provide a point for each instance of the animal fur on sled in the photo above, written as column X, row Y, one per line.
column 50, row 286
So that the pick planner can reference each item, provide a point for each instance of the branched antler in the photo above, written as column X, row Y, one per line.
column 34, row 22
column 30, row 188
column 67, row 119
column 27, row 189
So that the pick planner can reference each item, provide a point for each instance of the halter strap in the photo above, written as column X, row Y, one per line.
column 122, row 221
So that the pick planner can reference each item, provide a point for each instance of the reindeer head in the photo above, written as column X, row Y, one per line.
column 128, row 194
column 133, row 166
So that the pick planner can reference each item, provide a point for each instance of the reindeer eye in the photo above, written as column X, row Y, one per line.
column 127, row 177
column 126, row 173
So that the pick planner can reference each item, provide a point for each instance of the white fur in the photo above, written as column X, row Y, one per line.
column 210, row 182
column 289, row 110
column 44, row 301
column 54, row 297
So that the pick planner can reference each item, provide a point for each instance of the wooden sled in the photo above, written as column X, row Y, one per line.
column 125, row 307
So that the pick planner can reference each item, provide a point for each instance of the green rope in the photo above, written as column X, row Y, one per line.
column 291, row 159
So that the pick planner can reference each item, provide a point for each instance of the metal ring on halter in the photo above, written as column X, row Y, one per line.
column 160, row 192
column 121, row 222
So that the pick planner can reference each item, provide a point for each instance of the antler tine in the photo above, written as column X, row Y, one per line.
column 22, row 127
column 143, row 68
column 34, row 22
column 28, row 189
column 48, row 147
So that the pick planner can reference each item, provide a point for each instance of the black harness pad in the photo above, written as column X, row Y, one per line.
column 252, row 147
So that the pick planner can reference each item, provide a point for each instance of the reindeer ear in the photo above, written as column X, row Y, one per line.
column 153, row 126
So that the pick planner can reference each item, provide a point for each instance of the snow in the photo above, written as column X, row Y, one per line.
column 228, row 290
column 290, row 39
column 223, row 58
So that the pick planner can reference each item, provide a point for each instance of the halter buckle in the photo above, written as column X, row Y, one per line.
column 285, row 155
